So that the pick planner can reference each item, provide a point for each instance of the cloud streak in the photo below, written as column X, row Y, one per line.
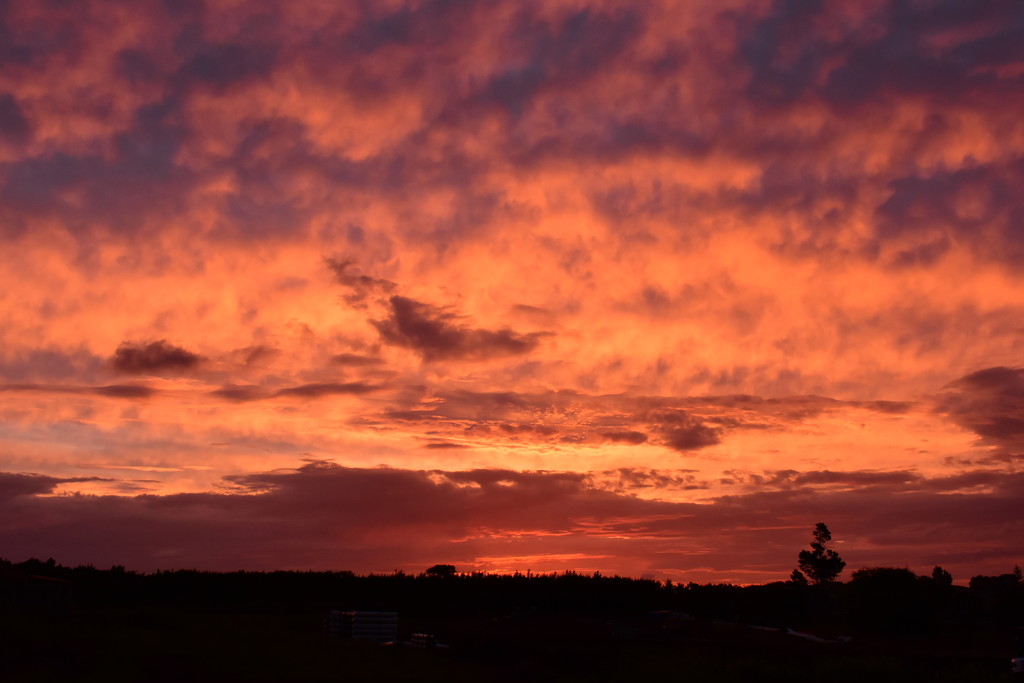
column 436, row 334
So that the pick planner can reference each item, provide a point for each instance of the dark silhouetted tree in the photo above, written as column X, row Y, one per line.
column 797, row 578
column 941, row 577
column 821, row 564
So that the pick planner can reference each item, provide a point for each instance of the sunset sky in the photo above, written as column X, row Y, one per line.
column 646, row 288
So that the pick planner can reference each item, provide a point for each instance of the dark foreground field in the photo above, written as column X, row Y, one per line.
column 167, row 644
column 87, row 625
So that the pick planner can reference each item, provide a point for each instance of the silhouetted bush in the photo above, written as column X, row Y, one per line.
column 890, row 600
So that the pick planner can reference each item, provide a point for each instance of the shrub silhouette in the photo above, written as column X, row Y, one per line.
column 889, row 600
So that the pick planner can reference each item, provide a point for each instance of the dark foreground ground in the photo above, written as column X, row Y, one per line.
column 155, row 644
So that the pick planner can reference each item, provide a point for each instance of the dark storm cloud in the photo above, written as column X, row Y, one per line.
column 138, row 180
column 13, row 485
column 691, row 437
column 25, row 48
column 357, row 360
column 14, row 126
column 222, row 65
column 158, row 357
column 255, row 356
column 540, row 89
column 682, row 432
column 785, row 30
column 990, row 402
column 361, row 286
column 552, row 55
column 889, row 407
column 272, row 156
column 953, row 58
column 896, row 480
column 240, row 394
column 320, row 515
column 317, row 390
column 137, row 67
column 999, row 48
column 458, row 501
column 970, row 480
column 137, row 177
column 325, row 516
column 428, row 24
column 1002, row 382
column 1003, row 428
column 313, row 390
column 978, row 205
column 873, row 482
column 125, row 391
column 438, row 335
column 897, row 62
column 110, row 390
column 628, row 478
column 685, row 424
column 893, row 52
column 567, row 51
column 49, row 365
column 625, row 436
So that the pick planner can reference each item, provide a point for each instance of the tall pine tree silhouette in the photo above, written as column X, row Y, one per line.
column 821, row 564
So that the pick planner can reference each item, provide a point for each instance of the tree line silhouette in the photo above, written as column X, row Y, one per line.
column 60, row 622
column 876, row 599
